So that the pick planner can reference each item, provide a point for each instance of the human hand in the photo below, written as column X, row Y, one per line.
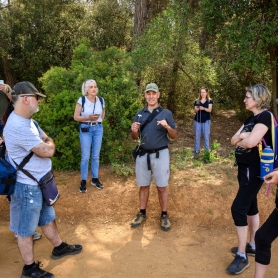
column 4, row 87
column 135, row 126
column 94, row 117
column 163, row 123
column 272, row 177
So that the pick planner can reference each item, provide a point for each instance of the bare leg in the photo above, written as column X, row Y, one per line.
column 50, row 230
column 260, row 270
column 163, row 197
column 144, row 196
column 25, row 246
column 242, row 237
column 254, row 224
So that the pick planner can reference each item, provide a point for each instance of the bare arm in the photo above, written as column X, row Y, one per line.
column 134, row 130
column 236, row 138
column 77, row 117
column 254, row 138
column 209, row 109
column 173, row 133
column 46, row 148
column 103, row 114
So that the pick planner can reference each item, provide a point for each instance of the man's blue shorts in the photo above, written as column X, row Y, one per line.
column 28, row 210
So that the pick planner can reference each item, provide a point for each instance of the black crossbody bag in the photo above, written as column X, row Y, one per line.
column 156, row 111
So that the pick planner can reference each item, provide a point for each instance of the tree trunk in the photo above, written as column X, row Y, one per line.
column 10, row 78
column 140, row 17
column 274, row 75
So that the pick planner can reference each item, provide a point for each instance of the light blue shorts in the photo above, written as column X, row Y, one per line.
column 160, row 168
column 28, row 210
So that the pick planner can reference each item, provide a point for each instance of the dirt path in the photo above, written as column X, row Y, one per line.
column 198, row 244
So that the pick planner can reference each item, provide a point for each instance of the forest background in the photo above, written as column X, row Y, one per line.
column 125, row 44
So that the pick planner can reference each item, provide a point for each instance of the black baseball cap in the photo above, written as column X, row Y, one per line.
column 25, row 87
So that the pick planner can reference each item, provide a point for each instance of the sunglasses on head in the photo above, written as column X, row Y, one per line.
column 36, row 96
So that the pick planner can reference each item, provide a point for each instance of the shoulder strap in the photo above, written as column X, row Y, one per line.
column 23, row 163
column 101, row 101
column 273, row 125
column 151, row 117
column 83, row 102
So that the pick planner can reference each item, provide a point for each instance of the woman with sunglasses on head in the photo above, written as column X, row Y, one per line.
column 90, row 112
column 245, row 207
column 202, row 109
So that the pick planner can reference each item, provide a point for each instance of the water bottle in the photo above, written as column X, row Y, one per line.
column 266, row 162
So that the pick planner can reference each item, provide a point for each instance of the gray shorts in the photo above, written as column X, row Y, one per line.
column 160, row 169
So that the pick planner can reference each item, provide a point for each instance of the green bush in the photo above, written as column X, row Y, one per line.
column 210, row 156
column 63, row 88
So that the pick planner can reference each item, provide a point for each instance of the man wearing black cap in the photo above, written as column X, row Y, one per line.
column 151, row 127
column 27, row 208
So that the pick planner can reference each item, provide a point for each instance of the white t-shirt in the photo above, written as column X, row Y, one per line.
column 21, row 136
column 91, row 108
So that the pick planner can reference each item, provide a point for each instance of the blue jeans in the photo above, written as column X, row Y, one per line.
column 201, row 128
column 90, row 145
column 28, row 210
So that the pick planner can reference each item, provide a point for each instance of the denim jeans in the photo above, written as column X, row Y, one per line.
column 90, row 145
column 201, row 128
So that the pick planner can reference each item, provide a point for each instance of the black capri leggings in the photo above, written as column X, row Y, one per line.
column 245, row 202
column 264, row 237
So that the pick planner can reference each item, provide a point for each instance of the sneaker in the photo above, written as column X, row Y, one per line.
column 194, row 153
column 248, row 250
column 95, row 182
column 136, row 222
column 83, row 188
column 36, row 236
column 165, row 223
column 238, row 265
column 67, row 250
column 36, row 272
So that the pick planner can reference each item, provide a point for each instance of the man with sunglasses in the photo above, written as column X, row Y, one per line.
column 27, row 208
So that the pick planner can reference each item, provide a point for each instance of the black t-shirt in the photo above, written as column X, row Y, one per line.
column 251, row 156
column 202, row 116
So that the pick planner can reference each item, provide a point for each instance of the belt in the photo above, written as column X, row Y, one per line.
column 156, row 151
column 91, row 123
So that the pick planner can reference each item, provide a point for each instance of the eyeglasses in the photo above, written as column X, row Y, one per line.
column 36, row 96
column 246, row 97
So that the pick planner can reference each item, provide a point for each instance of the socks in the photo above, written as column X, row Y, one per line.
column 61, row 246
column 241, row 255
column 143, row 211
column 163, row 213
column 29, row 266
column 253, row 246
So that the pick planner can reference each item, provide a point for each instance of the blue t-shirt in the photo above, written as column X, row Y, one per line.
column 202, row 116
column 154, row 136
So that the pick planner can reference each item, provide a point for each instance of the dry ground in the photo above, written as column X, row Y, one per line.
column 198, row 244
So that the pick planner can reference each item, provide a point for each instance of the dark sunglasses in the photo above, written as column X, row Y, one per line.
column 36, row 96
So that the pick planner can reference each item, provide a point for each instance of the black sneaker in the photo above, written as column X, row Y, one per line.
column 67, row 250
column 238, row 265
column 36, row 272
column 248, row 250
column 95, row 182
column 82, row 188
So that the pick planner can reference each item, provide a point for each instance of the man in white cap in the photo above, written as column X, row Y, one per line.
column 151, row 127
column 28, row 208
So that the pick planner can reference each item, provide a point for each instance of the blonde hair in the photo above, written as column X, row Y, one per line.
column 261, row 95
column 207, row 90
column 85, row 86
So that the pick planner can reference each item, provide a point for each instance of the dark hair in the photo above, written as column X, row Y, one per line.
column 7, row 113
